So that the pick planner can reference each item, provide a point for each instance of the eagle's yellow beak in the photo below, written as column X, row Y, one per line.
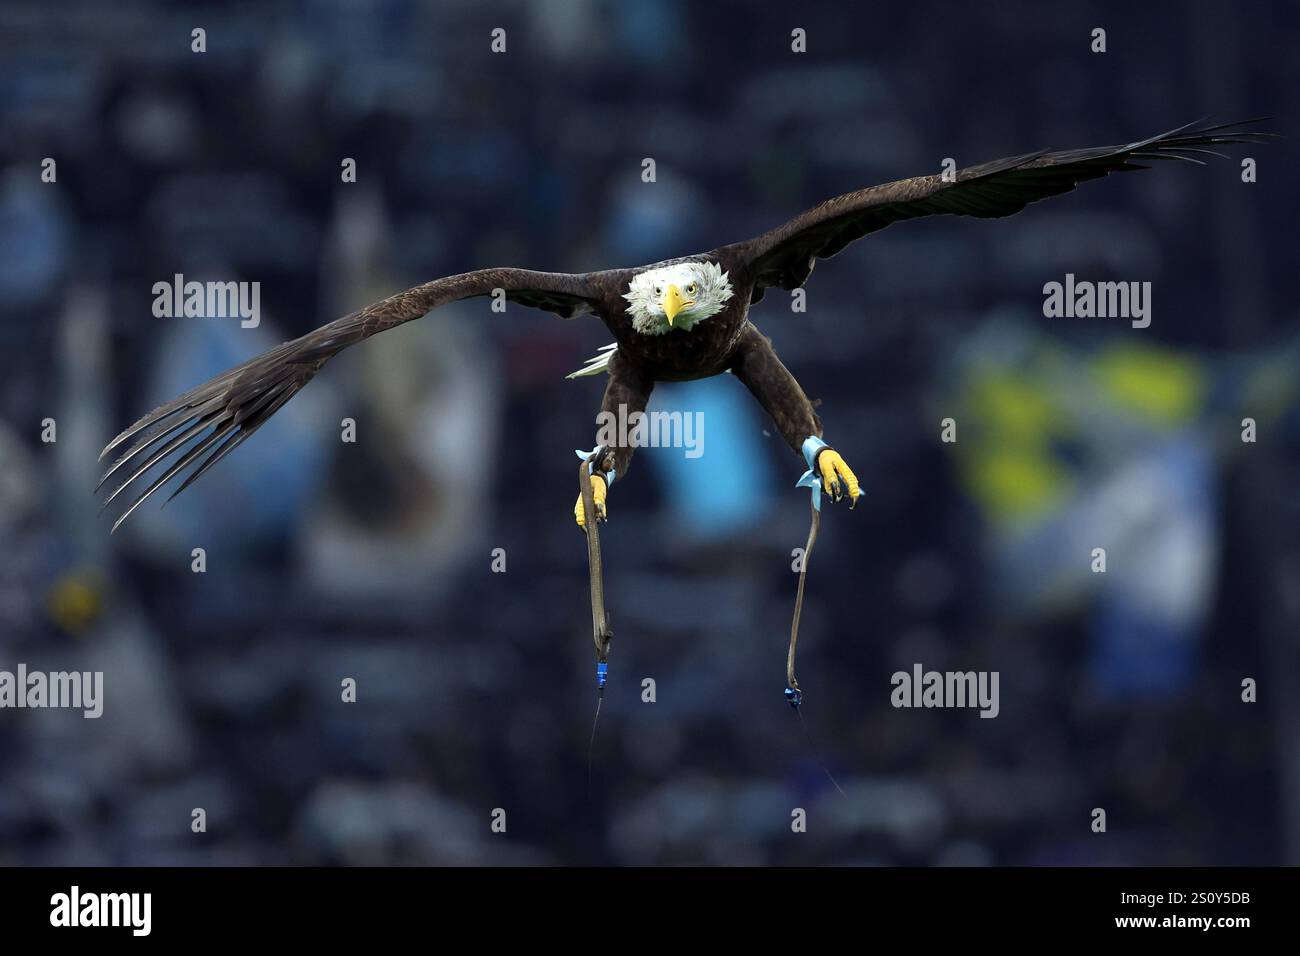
column 673, row 303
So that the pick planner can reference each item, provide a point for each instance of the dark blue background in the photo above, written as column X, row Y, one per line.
column 371, row 560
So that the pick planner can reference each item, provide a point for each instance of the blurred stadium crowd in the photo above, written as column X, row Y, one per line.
column 372, row 560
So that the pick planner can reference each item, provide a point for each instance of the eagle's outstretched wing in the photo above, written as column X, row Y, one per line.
column 785, row 255
column 213, row 419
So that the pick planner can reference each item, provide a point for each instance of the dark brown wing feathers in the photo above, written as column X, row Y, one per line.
column 784, row 256
column 219, row 415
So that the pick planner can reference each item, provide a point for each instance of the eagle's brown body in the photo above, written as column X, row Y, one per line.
column 210, row 421
column 727, row 341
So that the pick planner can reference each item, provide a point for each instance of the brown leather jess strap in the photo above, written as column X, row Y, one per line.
column 792, row 692
column 601, row 631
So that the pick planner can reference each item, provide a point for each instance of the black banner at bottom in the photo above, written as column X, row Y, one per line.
column 333, row 906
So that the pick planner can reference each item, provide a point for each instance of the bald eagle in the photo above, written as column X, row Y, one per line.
column 675, row 320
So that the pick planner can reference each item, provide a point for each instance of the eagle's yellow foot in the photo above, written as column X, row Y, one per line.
column 837, row 477
column 598, row 490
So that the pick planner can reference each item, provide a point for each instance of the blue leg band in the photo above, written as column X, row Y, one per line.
column 809, row 479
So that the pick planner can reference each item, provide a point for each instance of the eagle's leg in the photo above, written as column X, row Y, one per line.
column 757, row 365
column 628, row 391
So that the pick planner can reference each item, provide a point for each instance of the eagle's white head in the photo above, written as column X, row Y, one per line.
column 676, row 296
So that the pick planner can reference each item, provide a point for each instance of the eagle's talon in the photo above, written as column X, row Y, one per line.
column 837, row 477
column 598, row 492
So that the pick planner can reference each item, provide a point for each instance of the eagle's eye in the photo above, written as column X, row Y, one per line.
column 659, row 290
column 692, row 289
